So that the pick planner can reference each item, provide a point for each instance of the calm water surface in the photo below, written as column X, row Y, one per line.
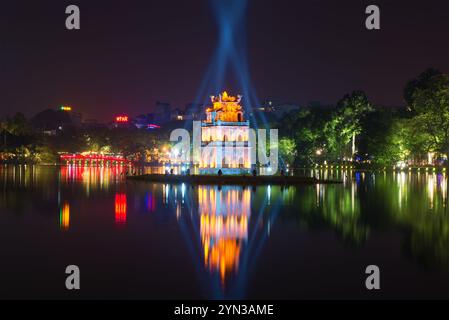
column 161, row 241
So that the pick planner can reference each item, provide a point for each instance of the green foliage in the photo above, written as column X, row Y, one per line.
column 432, row 113
column 18, row 125
column 382, row 135
column 346, row 123
column 419, row 83
column 287, row 150
column 305, row 129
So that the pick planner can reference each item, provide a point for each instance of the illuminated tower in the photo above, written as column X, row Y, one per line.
column 225, row 137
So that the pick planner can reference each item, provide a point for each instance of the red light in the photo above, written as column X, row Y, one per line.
column 120, row 208
column 98, row 157
column 154, row 126
column 121, row 119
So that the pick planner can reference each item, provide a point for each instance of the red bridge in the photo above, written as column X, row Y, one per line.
column 93, row 158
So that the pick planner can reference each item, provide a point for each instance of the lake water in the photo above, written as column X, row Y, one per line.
column 148, row 240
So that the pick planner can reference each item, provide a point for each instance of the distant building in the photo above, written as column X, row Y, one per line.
column 141, row 121
column 75, row 117
column 176, row 114
column 193, row 111
column 145, row 122
column 162, row 112
column 50, row 121
column 122, row 121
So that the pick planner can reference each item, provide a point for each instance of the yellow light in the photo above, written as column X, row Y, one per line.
column 64, row 216
column 65, row 108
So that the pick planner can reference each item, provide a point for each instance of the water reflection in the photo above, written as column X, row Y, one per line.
column 215, row 223
column 64, row 216
column 93, row 177
column 120, row 208
column 224, row 214
column 227, row 229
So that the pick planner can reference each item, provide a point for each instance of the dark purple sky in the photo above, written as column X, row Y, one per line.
column 128, row 54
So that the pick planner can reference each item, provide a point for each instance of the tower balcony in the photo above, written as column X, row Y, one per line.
column 220, row 123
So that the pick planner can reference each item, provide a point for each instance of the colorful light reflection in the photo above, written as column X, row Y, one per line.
column 120, row 208
column 223, row 227
column 64, row 216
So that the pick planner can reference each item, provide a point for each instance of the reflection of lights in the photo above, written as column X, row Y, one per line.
column 223, row 226
column 223, row 256
column 183, row 191
column 150, row 201
column 120, row 208
column 444, row 183
column 402, row 187
column 64, row 216
column 269, row 194
column 431, row 184
column 165, row 191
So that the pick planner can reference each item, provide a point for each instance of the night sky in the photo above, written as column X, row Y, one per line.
column 129, row 54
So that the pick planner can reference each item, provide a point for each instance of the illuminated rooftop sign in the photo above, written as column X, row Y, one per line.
column 121, row 119
column 65, row 108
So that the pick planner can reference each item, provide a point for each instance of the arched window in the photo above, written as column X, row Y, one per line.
column 239, row 117
column 225, row 138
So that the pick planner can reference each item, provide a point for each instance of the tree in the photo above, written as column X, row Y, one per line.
column 345, row 124
column 287, row 150
column 431, row 104
column 422, row 81
column 305, row 129
column 18, row 125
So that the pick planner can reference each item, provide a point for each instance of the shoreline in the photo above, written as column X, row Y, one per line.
column 416, row 169
column 231, row 180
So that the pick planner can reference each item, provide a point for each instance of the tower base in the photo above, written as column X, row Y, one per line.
column 225, row 171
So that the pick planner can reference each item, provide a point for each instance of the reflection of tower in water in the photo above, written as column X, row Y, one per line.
column 224, row 216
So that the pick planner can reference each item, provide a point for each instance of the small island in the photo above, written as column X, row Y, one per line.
column 230, row 179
